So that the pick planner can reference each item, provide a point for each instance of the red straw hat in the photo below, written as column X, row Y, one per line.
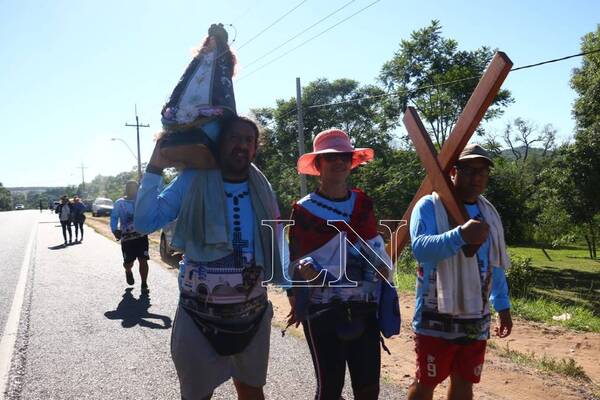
column 332, row 141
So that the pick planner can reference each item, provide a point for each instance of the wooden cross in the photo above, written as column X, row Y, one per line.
column 438, row 167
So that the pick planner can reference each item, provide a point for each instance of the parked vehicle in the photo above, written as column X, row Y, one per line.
column 167, row 253
column 102, row 206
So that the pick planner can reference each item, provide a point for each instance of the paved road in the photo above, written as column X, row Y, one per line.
column 83, row 335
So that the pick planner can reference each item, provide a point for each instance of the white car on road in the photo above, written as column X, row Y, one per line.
column 102, row 206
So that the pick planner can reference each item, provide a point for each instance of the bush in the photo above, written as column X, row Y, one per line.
column 406, row 262
column 406, row 272
column 520, row 276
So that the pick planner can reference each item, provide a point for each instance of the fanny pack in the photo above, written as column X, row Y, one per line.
column 228, row 337
column 126, row 236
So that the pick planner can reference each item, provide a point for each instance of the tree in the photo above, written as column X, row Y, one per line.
column 391, row 182
column 583, row 158
column 553, row 224
column 509, row 189
column 112, row 187
column 5, row 199
column 586, row 83
column 18, row 198
column 521, row 135
column 419, row 71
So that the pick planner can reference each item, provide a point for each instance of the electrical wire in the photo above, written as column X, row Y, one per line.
column 270, row 26
column 306, row 41
column 555, row 60
column 453, row 81
column 299, row 33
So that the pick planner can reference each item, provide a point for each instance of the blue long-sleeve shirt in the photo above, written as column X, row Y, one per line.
column 121, row 216
column 156, row 207
column 429, row 248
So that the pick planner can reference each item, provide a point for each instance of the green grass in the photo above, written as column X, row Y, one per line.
column 568, row 282
column 566, row 367
column 565, row 281
column 542, row 310
column 405, row 282
column 574, row 257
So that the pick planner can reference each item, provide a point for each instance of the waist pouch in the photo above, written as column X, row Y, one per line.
column 228, row 338
column 350, row 318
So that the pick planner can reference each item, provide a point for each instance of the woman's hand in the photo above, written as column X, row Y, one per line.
column 504, row 325
column 291, row 317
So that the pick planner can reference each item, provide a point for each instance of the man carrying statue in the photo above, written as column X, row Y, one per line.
column 223, row 321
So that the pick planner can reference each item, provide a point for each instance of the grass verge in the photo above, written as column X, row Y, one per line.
column 546, row 291
column 565, row 367
column 542, row 310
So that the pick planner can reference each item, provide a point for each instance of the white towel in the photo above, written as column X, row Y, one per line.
column 458, row 278
column 498, row 256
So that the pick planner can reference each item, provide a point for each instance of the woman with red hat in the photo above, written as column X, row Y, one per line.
column 339, row 311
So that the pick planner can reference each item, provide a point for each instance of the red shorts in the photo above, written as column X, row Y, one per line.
column 437, row 358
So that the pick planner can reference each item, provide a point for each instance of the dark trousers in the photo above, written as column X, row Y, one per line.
column 330, row 356
column 78, row 228
column 66, row 227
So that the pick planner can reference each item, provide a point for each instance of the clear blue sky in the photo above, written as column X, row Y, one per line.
column 71, row 71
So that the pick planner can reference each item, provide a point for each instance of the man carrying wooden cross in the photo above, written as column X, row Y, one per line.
column 452, row 316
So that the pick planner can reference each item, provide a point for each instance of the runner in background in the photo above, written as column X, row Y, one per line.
column 133, row 244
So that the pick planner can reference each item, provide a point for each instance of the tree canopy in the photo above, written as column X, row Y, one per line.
column 419, row 73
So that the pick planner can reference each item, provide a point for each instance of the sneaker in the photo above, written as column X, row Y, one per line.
column 145, row 289
column 129, row 277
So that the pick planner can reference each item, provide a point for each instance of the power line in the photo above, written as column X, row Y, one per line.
column 555, row 60
column 453, row 81
column 308, row 40
column 271, row 25
column 299, row 33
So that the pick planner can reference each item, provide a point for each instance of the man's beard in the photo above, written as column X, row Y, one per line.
column 241, row 170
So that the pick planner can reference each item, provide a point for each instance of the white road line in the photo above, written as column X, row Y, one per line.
column 9, row 337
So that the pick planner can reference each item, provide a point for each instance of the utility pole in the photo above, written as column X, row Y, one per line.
column 138, row 126
column 82, row 178
column 300, row 133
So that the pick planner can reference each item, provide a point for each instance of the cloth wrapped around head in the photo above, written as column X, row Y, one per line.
column 204, row 96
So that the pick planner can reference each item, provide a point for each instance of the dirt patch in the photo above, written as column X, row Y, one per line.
column 501, row 380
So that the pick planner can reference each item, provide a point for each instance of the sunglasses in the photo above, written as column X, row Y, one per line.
column 331, row 157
